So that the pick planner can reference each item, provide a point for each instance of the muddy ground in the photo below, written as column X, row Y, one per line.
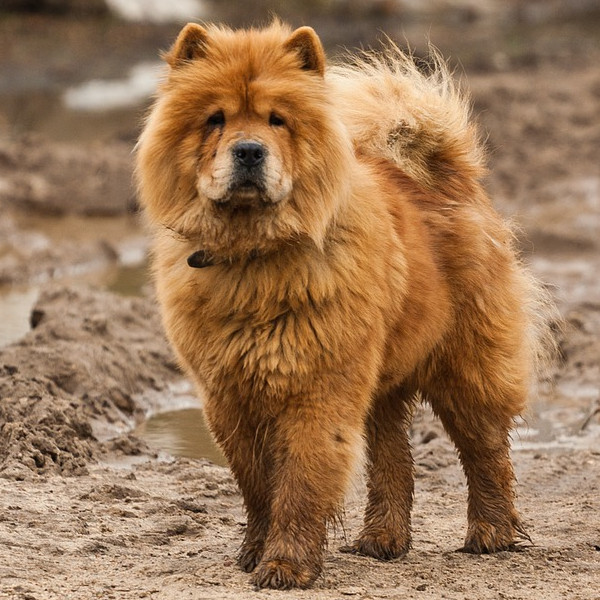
column 89, row 510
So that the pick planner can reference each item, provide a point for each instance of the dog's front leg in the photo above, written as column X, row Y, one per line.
column 245, row 443
column 316, row 446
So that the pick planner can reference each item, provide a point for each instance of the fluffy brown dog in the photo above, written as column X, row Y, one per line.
column 346, row 261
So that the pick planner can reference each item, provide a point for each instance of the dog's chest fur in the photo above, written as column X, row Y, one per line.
column 270, row 328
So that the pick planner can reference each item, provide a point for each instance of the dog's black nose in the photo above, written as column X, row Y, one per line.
column 249, row 154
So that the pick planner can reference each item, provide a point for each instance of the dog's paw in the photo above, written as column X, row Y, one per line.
column 382, row 546
column 250, row 555
column 485, row 538
column 281, row 574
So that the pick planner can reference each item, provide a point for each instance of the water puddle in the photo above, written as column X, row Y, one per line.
column 564, row 418
column 181, row 433
column 185, row 433
column 127, row 280
column 175, row 424
column 16, row 303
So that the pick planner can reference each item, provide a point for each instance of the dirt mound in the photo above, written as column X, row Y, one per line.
column 57, row 179
column 72, row 382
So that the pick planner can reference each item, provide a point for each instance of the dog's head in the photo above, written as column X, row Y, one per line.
column 243, row 149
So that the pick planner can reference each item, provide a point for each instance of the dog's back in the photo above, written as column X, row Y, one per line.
column 418, row 119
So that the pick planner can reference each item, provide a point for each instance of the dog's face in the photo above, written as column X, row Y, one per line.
column 243, row 149
column 245, row 160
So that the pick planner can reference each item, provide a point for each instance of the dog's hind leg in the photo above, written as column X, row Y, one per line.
column 386, row 532
column 478, row 417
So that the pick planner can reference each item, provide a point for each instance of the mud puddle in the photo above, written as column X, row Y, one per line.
column 175, row 424
column 181, row 433
column 185, row 433
column 555, row 424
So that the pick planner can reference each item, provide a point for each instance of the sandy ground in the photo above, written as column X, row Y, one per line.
column 89, row 510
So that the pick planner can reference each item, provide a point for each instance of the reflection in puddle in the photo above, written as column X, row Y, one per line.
column 181, row 433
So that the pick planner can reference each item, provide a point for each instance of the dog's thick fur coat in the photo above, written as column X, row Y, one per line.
column 351, row 262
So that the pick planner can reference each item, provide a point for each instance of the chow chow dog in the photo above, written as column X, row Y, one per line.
column 324, row 254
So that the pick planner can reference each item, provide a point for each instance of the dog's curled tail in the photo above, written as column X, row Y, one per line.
column 414, row 114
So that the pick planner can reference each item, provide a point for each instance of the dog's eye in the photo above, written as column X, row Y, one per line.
column 216, row 120
column 275, row 120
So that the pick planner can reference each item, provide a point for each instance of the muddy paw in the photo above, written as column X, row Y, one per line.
column 382, row 547
column 485, row 538
column 250, row 555
column 282, row 574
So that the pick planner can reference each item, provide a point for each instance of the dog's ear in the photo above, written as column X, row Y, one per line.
column 307, row 45
column 190, row 44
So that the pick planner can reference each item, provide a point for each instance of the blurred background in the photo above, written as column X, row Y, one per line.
column 76, row 77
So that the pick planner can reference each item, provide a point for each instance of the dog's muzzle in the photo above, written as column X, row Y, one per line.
column 247, row 188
